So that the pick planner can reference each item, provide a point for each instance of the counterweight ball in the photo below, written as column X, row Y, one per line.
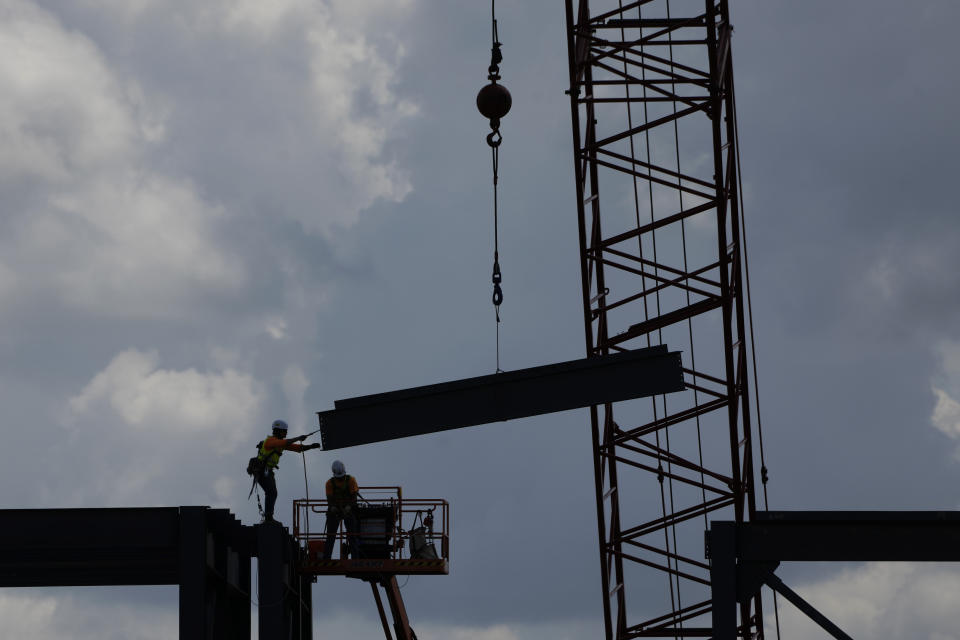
column 494, row 101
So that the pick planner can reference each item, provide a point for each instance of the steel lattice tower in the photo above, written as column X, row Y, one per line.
column 654, row 133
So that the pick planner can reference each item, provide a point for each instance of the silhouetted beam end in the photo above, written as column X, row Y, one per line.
column 503, row 396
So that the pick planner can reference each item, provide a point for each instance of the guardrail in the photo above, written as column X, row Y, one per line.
column 394, row 535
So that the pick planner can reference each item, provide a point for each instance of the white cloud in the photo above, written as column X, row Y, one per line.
column 179, row 432
column 87, row 221
column 276, row 327
column 25, row 616
column 352, row 55
column 261, row 18
column 187, row 402
column 946, row 387
column 295, row 384
column 946, row 414
column 148, row 247
column 879, row 600
column 62, row 110
column 60, row 614
column 357, row 626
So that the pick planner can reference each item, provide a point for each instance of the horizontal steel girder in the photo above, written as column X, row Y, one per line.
column 744, row 555
column 501, row 396
column 79, row 547
column 825, row 536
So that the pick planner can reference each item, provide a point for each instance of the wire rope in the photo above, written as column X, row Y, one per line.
column 683, row 237
column 670, row 531
column 673, row 581
column 497, row 278
column 753, row 348
column 306, row 490
column 493, row 140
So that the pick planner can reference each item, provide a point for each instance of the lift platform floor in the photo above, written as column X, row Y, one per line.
column 364, row 567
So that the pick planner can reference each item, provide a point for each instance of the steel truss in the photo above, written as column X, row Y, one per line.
column 651, row 92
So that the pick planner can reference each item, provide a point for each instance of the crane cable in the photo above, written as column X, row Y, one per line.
column 493, row 102
column 675, row 595
column 493, row 140
column 306, row 490
column 496, row 277
column 764, row 476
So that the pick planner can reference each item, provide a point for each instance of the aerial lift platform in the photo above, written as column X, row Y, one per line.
column 396, row 536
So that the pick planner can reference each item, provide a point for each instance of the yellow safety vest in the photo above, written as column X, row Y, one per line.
column 270, row 456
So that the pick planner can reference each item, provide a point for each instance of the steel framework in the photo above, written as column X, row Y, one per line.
column 654, row 134
column 205, row 551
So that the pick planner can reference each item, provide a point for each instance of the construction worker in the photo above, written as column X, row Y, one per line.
column 271, row 449
column 342, row 493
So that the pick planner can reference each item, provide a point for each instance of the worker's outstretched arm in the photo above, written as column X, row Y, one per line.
column 288, row 444
column 301, row 447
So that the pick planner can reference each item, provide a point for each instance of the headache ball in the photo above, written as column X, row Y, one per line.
column 494, row 101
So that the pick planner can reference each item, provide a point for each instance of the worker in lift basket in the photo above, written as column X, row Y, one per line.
column 271, row 449
column 342, row 493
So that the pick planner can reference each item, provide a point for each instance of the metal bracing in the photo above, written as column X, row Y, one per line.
column 743, row 556
column 660, row 250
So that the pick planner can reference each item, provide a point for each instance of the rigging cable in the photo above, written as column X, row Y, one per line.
column 686, row 287
column 493, row 102
column 674, row 589
column 306, row 490
column 753, row 349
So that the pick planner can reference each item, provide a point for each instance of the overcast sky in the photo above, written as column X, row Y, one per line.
column 221, row 212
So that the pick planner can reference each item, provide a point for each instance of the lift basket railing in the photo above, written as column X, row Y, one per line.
column 390, row 527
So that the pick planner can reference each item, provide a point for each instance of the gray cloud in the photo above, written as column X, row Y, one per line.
column 289, row 203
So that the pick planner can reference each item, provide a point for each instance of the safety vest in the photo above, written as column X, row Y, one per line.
column 271, row 457
column 341, row 496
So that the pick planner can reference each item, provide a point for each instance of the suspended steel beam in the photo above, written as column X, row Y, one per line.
column 501, row 396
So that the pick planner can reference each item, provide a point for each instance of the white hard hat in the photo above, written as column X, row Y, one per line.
column 338, row 469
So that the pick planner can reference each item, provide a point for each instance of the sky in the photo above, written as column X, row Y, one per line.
column 221, row 212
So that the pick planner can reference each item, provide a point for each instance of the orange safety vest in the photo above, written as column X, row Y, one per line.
column 341, row 496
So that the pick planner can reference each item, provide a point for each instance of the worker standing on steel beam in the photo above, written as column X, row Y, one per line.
column 271, row 449
column 342, row 491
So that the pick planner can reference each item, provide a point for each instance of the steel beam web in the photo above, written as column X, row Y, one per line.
column 652, row 114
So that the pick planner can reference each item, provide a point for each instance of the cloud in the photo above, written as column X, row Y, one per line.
column 62, row 112
column 878, row 600
column 946, row 387
column 313, row 87
column 59, row 614
column 295, row 384
column 48, row 614
column 352, row 625
column 946, row 414
column 143, row 396
column 88, row 222
column 915, row 265
column 179, row 430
